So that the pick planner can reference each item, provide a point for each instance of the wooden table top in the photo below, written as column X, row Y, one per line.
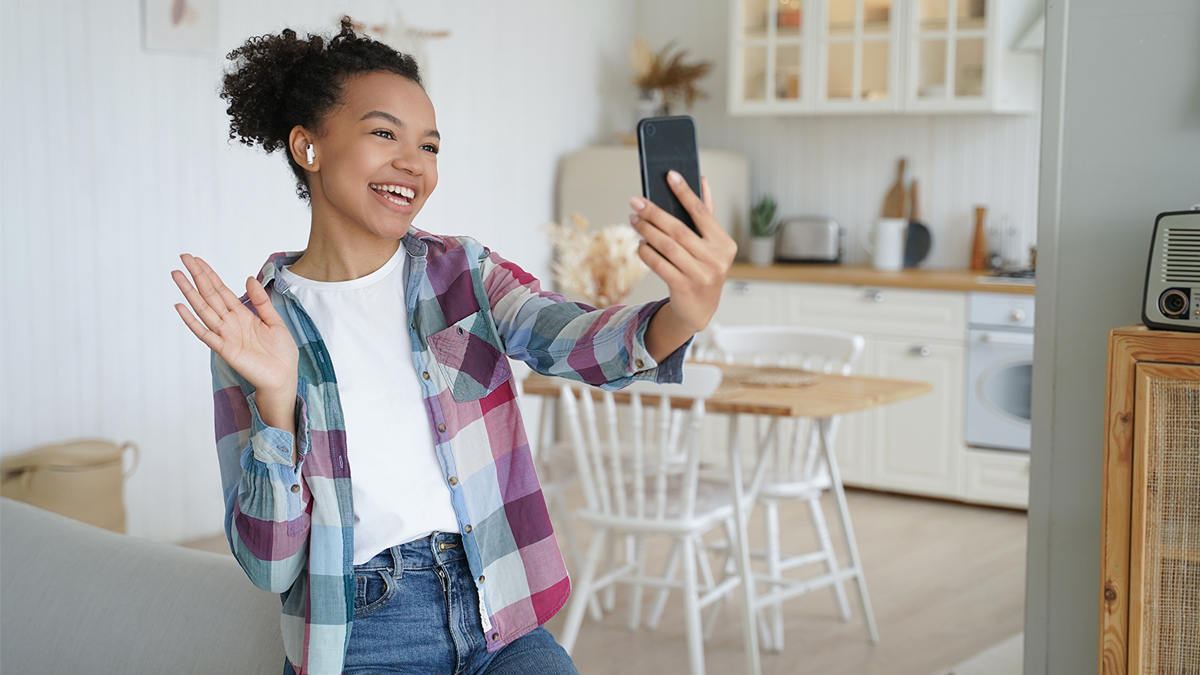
column 828, row 395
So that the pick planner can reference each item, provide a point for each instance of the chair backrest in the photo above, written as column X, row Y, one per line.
column 814, row 349
column 642, row 462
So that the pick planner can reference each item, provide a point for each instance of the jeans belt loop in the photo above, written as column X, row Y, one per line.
column 397, row 562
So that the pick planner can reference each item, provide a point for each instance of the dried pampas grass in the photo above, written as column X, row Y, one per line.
column 603, row 266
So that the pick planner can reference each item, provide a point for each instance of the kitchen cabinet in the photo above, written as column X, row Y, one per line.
column 879, row 56
column 918, row 444
column 996, row 477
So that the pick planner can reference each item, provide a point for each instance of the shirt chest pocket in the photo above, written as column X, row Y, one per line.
column 470, row 357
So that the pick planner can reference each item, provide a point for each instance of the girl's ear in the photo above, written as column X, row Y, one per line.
column 304, row 152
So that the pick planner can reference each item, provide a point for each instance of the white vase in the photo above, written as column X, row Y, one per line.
column 762, row 251
column 649, row 104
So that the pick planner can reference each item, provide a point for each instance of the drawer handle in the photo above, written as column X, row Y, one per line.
column 874, row 296
column 919, row 350
column 745, row 289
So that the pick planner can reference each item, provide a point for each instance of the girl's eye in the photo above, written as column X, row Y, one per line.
column 430, row 147
column 384, row 133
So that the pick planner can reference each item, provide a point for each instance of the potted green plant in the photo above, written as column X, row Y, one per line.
column 763, row 227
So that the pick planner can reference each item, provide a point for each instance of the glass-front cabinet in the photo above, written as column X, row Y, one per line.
column 948, row 63
column 832, row 56
column 771, row 53
column 859, row 45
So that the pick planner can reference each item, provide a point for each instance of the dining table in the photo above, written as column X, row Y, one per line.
column 776, row 392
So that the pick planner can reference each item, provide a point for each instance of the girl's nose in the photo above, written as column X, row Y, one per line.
column 408, row 160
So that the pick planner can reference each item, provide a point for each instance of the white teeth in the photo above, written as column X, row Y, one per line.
column 396, row 189
column 401, row 201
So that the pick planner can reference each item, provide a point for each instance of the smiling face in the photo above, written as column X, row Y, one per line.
column 375, row 158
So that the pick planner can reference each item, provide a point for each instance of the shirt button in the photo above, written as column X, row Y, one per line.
column 442, row 427
column 467, row 529
column 453, row 480
column 640, row 364
column 495, row 636
column 414, row 325
column 481, row 578
column 296, row 488
column 425, row 374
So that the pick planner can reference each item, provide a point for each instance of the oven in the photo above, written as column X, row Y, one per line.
column 999, row 370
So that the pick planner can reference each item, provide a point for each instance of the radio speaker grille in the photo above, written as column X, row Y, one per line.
column 1181, row 256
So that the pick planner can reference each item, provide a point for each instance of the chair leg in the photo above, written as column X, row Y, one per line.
column 775, row 571
column 848, row 530
column 610, row 592
column 660, row 601
column 583, row 592
column 691, row 609
column 831, row 563
column 727, row 570
column 639, row 570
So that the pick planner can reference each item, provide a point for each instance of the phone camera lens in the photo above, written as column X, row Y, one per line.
column 1174, row 303
column 649, row 129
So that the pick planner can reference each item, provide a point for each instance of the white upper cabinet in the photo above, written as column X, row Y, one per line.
column 862, row 56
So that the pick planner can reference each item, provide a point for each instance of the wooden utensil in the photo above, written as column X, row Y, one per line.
column 895, row 204
column 979, row 249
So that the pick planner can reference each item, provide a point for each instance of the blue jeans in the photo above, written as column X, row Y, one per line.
column 416, row 610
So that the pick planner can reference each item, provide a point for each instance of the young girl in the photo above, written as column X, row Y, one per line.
column 385, row 347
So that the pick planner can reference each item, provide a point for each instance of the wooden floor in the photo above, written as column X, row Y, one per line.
column 946, row 580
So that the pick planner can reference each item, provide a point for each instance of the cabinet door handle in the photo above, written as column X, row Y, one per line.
column 874, row 296
column 919, row 350
column 745, row 289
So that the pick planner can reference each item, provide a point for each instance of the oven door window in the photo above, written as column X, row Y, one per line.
column 1005, row 389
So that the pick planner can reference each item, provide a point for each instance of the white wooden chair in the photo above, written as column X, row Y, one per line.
column 640, row 475
column 799, row 470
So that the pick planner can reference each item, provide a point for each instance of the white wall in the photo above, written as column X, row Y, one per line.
column 115, row 160
column 842, row 166
column 1121, row 143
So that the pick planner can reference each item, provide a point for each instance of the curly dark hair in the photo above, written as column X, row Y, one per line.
column 280, row 81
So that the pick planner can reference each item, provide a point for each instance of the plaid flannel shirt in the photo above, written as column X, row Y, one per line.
column 291, row 527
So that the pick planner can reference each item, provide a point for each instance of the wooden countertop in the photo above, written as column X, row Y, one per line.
column 863, row 275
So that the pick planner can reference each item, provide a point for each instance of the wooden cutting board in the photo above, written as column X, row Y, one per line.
column 895, row 204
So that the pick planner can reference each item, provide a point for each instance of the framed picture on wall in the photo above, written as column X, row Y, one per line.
column 179, row 25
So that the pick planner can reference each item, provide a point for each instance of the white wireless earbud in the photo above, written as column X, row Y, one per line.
column 311, row 155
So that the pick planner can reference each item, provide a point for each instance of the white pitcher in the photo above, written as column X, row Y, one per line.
column 886, row 244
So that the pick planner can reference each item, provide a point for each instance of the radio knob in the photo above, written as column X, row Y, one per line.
column 1017, row 315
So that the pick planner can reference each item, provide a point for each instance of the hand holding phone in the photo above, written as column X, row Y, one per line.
column 666, row 143
column 684, row 244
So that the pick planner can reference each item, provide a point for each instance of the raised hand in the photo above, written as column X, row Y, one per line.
column 694, row 266
column 259, row 348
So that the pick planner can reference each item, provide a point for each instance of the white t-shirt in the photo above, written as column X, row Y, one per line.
column 398, row 486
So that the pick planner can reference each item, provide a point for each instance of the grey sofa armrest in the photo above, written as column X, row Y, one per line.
column 76, row 598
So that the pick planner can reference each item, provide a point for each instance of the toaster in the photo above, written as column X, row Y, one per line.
column 810, row 239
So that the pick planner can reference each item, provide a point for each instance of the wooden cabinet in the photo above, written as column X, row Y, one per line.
column 863, row 56
column 1150, row 569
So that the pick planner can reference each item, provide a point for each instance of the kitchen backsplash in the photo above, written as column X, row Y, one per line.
column 843, row 166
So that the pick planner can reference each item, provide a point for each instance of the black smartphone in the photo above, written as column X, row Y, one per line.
column 666, row 143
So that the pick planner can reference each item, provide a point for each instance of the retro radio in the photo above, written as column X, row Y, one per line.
column 1172, row 296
